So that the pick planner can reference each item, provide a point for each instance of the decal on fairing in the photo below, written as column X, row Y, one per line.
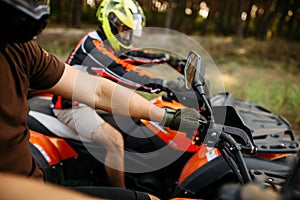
column 211, row 154
column 43, row 152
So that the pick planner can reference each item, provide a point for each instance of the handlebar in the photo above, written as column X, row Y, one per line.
column 236, row 150
column 227, row 145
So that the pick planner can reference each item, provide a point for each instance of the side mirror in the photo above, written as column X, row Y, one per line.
column 194, row 72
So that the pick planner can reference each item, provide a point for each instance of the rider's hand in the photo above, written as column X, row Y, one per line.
column 183, row 119
column 177, row 85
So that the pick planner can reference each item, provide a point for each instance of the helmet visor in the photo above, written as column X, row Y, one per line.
column 138, row 25
column 122, row 32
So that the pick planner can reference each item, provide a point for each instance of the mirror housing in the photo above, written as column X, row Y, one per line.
column 194, row 71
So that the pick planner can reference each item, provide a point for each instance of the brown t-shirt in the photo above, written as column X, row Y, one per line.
column 22, row 66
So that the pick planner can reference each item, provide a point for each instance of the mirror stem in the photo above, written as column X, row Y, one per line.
column 200, row 89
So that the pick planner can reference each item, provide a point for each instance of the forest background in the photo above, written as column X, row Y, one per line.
column 255, row 43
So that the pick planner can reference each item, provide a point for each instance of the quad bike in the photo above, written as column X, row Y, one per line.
column 226, row 148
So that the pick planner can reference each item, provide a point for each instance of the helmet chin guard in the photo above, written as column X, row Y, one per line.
column 22, row 20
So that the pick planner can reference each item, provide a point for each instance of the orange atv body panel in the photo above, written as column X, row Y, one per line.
column 203, row 156
column 175, row 139
column 53, row 149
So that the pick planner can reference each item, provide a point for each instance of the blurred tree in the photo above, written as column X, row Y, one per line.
column 239, row 28
column 242, row 18
column 276, row 7
column 293, row 30
column 178, row 20
column 169, row 15
column 77, row 13
column 56, row 11
column 248, row 11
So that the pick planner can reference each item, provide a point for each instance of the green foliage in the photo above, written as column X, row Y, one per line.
column 261, row 19
column 279, row 96
column 57, row 47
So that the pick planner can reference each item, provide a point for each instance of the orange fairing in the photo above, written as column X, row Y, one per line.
column 64, row 149
column 53, row 149
column 200, row 158
column 175, row 139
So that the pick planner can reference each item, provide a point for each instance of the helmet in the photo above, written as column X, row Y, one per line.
column 116, row 16
column 22, row 20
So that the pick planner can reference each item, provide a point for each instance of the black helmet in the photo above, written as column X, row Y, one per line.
column 22, row 20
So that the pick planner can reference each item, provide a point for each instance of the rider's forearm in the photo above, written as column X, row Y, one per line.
column 121, row 100
column 104, row 94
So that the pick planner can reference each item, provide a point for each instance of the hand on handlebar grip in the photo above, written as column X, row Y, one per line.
column 184, row 119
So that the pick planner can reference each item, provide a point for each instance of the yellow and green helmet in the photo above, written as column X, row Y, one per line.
column 126, row 13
